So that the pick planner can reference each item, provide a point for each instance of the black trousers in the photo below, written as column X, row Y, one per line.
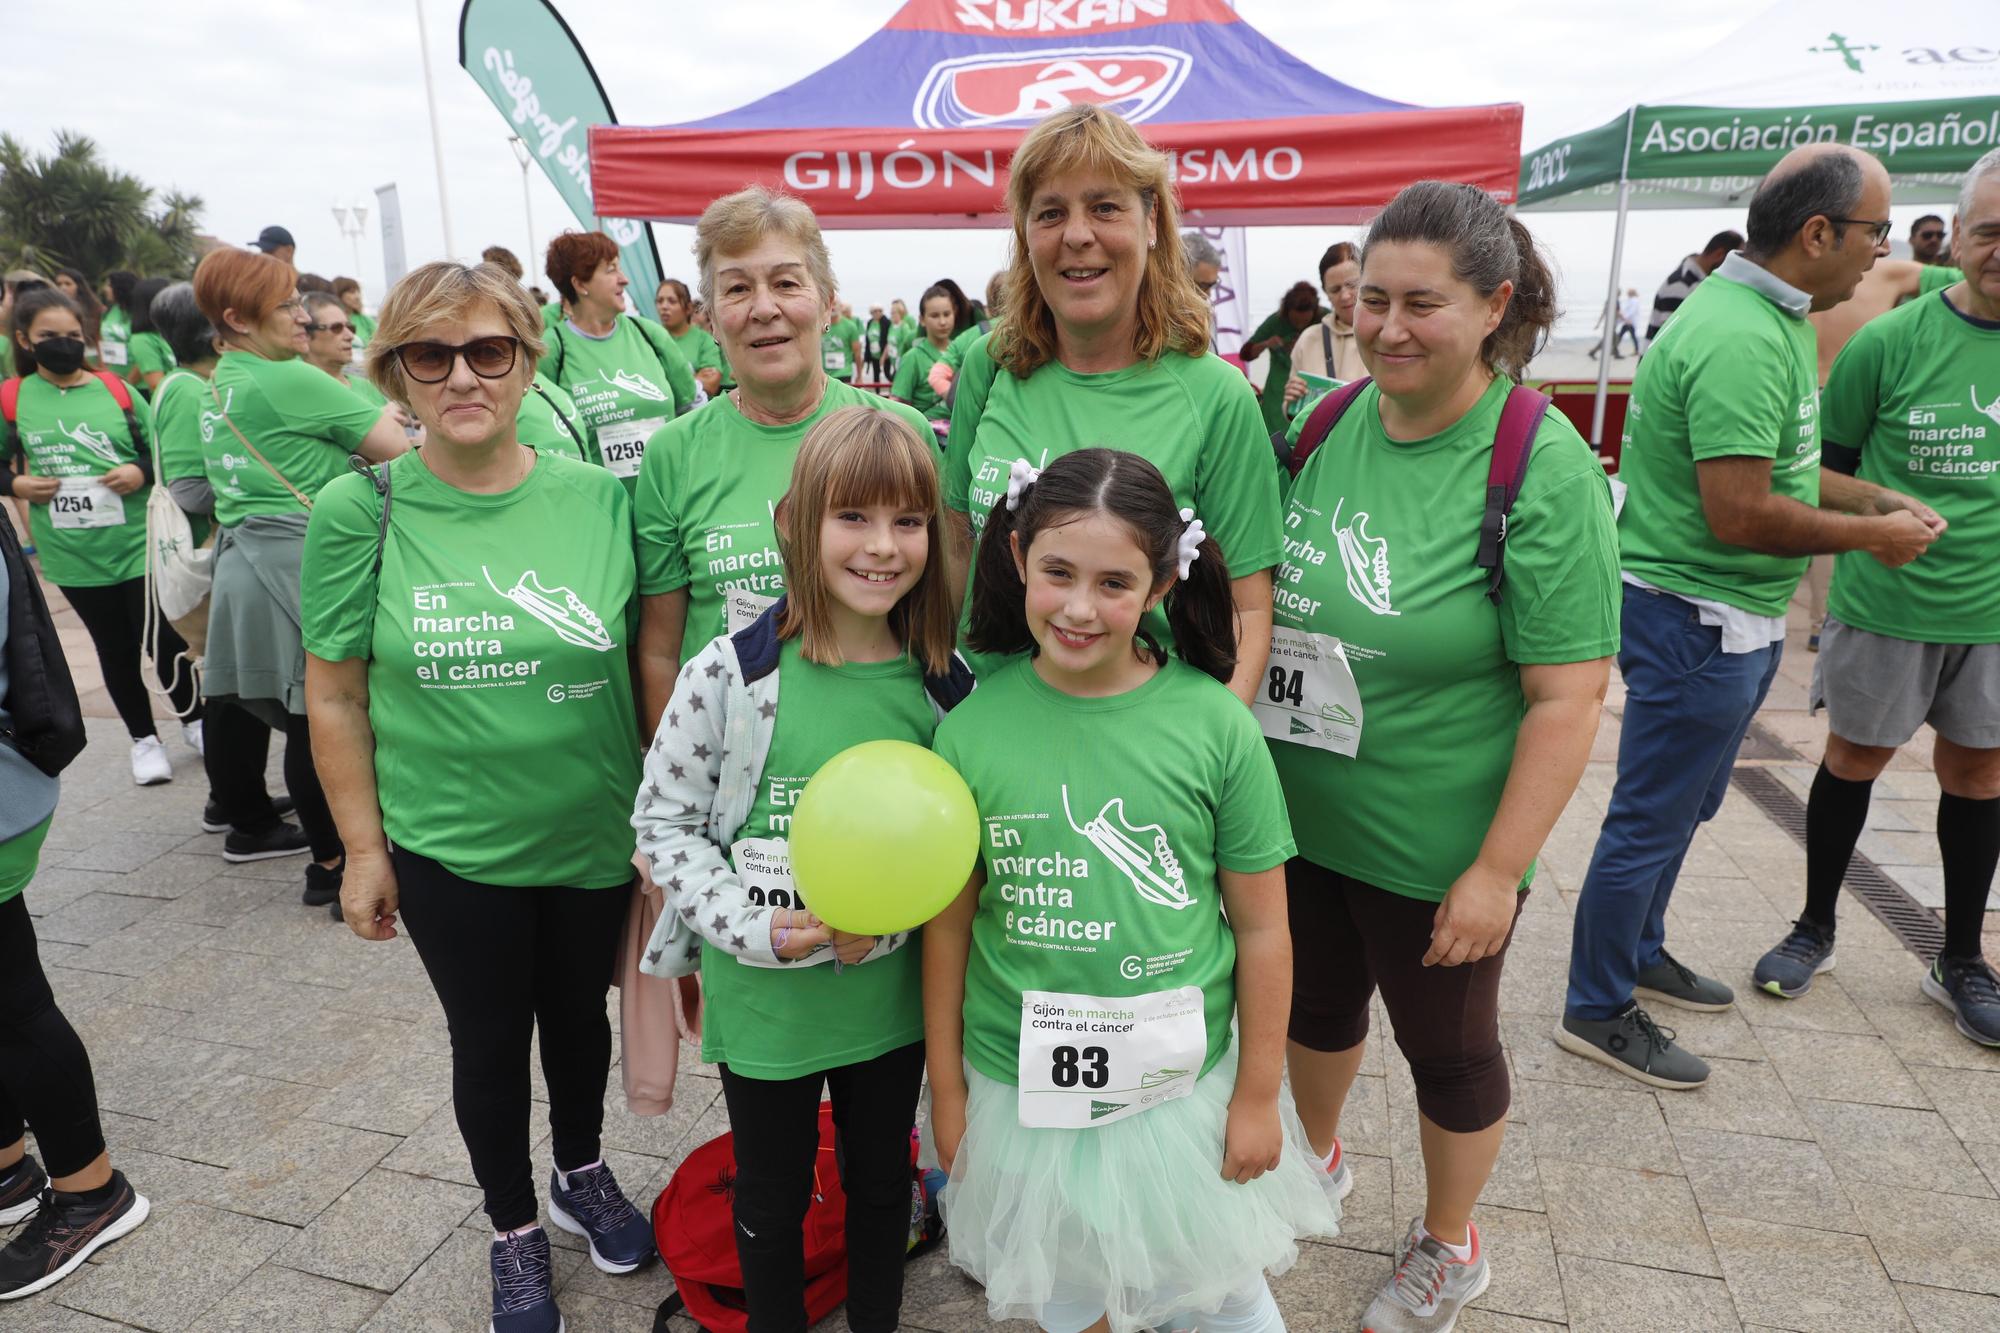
column 508, row 961
column 45, row 1081
column 235, row 747
column 776, row 1126
column 115, row 615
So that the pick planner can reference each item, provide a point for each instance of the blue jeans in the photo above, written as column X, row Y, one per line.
column 1687, row 706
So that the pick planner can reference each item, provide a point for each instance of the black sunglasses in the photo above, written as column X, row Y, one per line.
column 431, row 363
column 339, row 327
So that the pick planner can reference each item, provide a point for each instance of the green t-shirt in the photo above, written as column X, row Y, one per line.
column 303, row 420
column 1380, row 537
column 837, row 348
column 901, row 335
column 913, row 385
column 782, row 1022
column 700, row 349
column 364, row 331
column 1937, row 277
column 704, row 506
column 506, row 742
column 547, row 422
column 1278, row 367
column 961, row 343
column 181, row 412
column 1102, row 841
column 80, row 434
column 1194, row 418
column 19, row 856
column 871, row 338
column 1731, row 375
column 1918, row 392
column 625, row 386
column 364, row 389
column 150, row 356
column 114, row 341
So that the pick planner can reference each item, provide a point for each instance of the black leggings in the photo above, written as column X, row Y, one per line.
column 776, row 1128
column 115, row 615
column 235, row 747
column 506, row 961
column 45, row 1081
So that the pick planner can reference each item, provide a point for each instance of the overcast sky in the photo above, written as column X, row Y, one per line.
column 276, row 112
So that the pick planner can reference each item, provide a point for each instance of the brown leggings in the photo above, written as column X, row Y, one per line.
column 1348, row 939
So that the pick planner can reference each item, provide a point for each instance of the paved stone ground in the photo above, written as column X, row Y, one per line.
column 280, row 1090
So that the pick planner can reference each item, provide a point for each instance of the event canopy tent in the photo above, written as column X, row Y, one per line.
column 914, row 127
column 1919, row 88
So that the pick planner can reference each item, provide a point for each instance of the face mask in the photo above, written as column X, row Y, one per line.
column 60, row 356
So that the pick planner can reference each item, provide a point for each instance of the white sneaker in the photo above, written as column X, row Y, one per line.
column 149, row 762
column 191, row 733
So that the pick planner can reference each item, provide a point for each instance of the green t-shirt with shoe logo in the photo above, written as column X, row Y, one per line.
column 88, row 536
column 1380, row 540
column 1917, row 391
column 304, row 421
column 1732, row 375
column 705, row 500
column 1102, row 841
column 1193, row 418
column 625, row 385
column 783, row 1022
column 506, row 740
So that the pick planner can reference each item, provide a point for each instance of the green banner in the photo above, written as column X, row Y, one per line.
column 529, row 63
column 1690, row 156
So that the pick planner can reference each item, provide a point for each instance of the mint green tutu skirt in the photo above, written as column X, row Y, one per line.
column 1133, row 1217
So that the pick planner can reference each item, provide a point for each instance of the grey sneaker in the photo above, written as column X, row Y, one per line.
column 1337, row 1180
column 1670, row 981
column 1967, row 987
column 1635, row 1046
column 1788, row 970
column 1429, row 1287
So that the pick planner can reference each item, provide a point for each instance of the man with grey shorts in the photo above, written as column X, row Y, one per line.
column 1914, row 400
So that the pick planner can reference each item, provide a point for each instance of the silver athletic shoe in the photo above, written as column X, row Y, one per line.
column 1429, row 1287
column 1337, row 1180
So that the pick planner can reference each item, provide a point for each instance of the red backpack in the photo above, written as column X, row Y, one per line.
column 695, row 1227
column 1513, row 441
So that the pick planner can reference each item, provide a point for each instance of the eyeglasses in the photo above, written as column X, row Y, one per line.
column 1880, row 230
column 339, row 326
column 432, row 363
column 295, row 306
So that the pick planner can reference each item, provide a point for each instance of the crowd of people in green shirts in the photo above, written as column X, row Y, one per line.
column 1267, row 703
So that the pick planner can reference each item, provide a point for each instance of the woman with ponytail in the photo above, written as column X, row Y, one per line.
column 1118, row 1158
column 1446, row 721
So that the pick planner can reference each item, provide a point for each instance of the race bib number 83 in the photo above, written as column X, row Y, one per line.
column 1087, row 1060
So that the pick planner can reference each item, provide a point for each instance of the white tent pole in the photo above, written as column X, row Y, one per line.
column 437, row 138
column 1609, row 343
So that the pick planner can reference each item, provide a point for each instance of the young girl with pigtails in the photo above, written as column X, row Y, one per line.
column 862, row 646
column 1105, row 1045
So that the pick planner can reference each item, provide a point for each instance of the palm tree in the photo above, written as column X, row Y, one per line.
column 72, row 208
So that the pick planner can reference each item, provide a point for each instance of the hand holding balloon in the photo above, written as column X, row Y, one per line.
column 882, row 839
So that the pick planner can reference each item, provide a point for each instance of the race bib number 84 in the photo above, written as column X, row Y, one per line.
column 1308, row 695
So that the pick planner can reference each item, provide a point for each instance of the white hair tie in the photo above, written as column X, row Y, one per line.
column 1189, row 546
column 1020, row 477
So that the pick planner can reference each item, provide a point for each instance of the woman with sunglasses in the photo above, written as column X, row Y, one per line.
column 330, row 335
column 467, row 613
column 279, row 430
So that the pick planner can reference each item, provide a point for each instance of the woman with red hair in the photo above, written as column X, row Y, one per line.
column 278, row 430
column 625, row 373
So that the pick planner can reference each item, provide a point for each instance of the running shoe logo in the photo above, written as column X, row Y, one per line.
column 1155, row 871
column 558, row 608
column 90, row 441
column 1366, row 559
column 1991, row 409
column 636, row 385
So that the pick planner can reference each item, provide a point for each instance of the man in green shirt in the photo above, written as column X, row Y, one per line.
column 1725, row 502
column 1915, row 397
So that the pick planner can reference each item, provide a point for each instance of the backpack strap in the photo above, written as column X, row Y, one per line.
column 1513, row 442
column 1326, row 344
column 569, row 423
column 378, row 477
column 1326, row 414
column 10, row 398
column 120, row 393
column 10, row 438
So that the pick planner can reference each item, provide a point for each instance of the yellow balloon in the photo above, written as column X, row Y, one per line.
column 883, row 838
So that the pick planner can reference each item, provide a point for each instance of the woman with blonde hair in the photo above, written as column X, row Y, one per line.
column 467, row 611
column 1106, row 343
column 709, row 559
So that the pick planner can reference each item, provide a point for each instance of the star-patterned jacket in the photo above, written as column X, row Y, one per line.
column 699, row 781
